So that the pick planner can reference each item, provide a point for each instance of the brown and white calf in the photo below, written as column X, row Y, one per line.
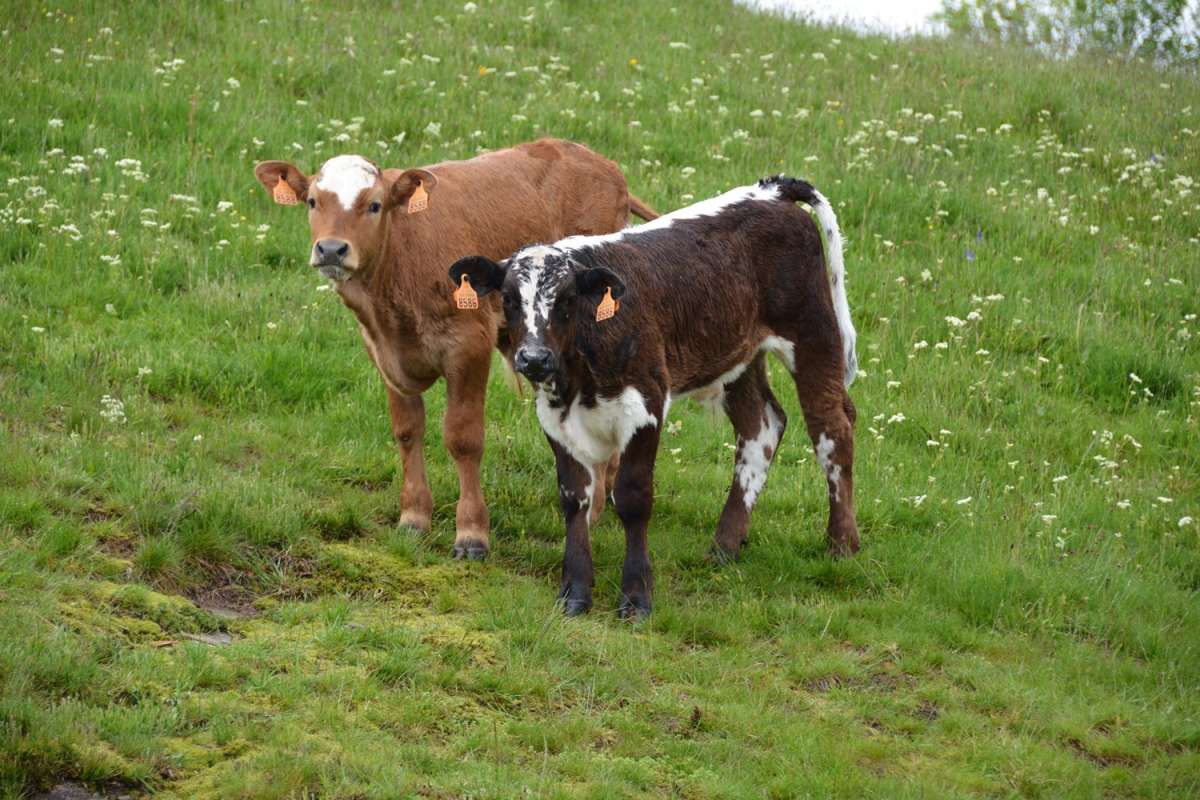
column 385, row 237
column 700, row 296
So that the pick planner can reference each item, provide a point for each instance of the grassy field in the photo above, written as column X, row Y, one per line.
column 203, row 588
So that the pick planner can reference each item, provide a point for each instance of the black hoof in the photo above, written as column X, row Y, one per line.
column 471, row 551
column 576, row 608
column 634, row 608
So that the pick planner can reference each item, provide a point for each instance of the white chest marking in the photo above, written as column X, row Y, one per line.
column 346, row 177
column 592, row 435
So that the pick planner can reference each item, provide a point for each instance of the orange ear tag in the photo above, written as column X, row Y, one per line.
column 607, row 307
column 419, row 202
column 465, row 296
column 283, row 193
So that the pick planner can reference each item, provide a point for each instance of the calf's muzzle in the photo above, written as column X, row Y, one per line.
column 330, row 253
column 534, row 362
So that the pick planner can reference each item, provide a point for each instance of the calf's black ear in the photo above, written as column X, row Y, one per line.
column 592, row 283
column 484, row 274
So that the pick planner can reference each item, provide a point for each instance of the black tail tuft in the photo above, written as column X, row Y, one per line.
column 792, row 189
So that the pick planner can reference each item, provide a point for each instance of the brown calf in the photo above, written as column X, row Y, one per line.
column 610, row 329
column 385, row 239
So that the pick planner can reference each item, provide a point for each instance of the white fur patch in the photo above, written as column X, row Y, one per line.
column 536, row 299
column 585, row 500
column 713, row 393
column 705, row 208
column 837, row 266
column 833, row 472
column 346, row 177
column 592, row 435
column 754, row 456
column 785, row 350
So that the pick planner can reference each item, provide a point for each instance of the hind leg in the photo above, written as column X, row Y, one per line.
column 759, row 422
column 829, row 415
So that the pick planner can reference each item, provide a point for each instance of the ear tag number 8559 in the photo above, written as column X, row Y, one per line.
column 465, row 296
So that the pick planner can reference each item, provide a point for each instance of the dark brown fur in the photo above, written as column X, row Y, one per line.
column 699, row 298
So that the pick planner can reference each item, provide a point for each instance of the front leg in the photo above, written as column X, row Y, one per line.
column 574, row 493
column 408, row 428
column 634, row 498
column 462, row 428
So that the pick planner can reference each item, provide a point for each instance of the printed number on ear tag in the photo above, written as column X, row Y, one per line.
column 465, row 296
column 607, row 307
column 419, row 202
column 283, row 193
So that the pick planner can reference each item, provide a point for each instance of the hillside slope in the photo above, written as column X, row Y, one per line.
column 203, row 588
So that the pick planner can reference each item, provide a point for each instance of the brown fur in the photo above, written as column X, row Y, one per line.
column 394, row 281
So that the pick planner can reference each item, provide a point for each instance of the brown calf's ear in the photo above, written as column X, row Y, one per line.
column 411, row 189
column 286, row 184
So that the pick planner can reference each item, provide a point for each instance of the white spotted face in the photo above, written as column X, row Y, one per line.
column 539, row 270
column 346, row 177
column 536, row 277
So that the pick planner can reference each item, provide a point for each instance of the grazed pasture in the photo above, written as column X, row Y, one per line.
column 194, row 443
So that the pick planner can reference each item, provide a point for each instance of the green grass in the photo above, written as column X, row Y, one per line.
column 1023, row 618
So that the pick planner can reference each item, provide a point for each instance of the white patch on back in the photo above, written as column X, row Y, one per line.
column 592, row 435
column 833, row 472
column 754, row 456
column 705, row 208
column 346, row 177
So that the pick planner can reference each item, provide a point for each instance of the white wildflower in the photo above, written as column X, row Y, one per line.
column 112, row 409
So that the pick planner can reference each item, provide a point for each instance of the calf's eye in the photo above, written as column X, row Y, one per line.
column 374, row 207
column 312, row 203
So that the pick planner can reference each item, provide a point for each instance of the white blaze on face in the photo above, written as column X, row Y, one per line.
column 346, row 177
column 833, row 472
column 540, row 269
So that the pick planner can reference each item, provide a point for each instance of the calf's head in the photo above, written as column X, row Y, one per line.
column 547, row 297
column 349, row 201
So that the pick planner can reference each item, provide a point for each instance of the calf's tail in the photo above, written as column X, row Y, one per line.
column 794, row 190
column 641, row 209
